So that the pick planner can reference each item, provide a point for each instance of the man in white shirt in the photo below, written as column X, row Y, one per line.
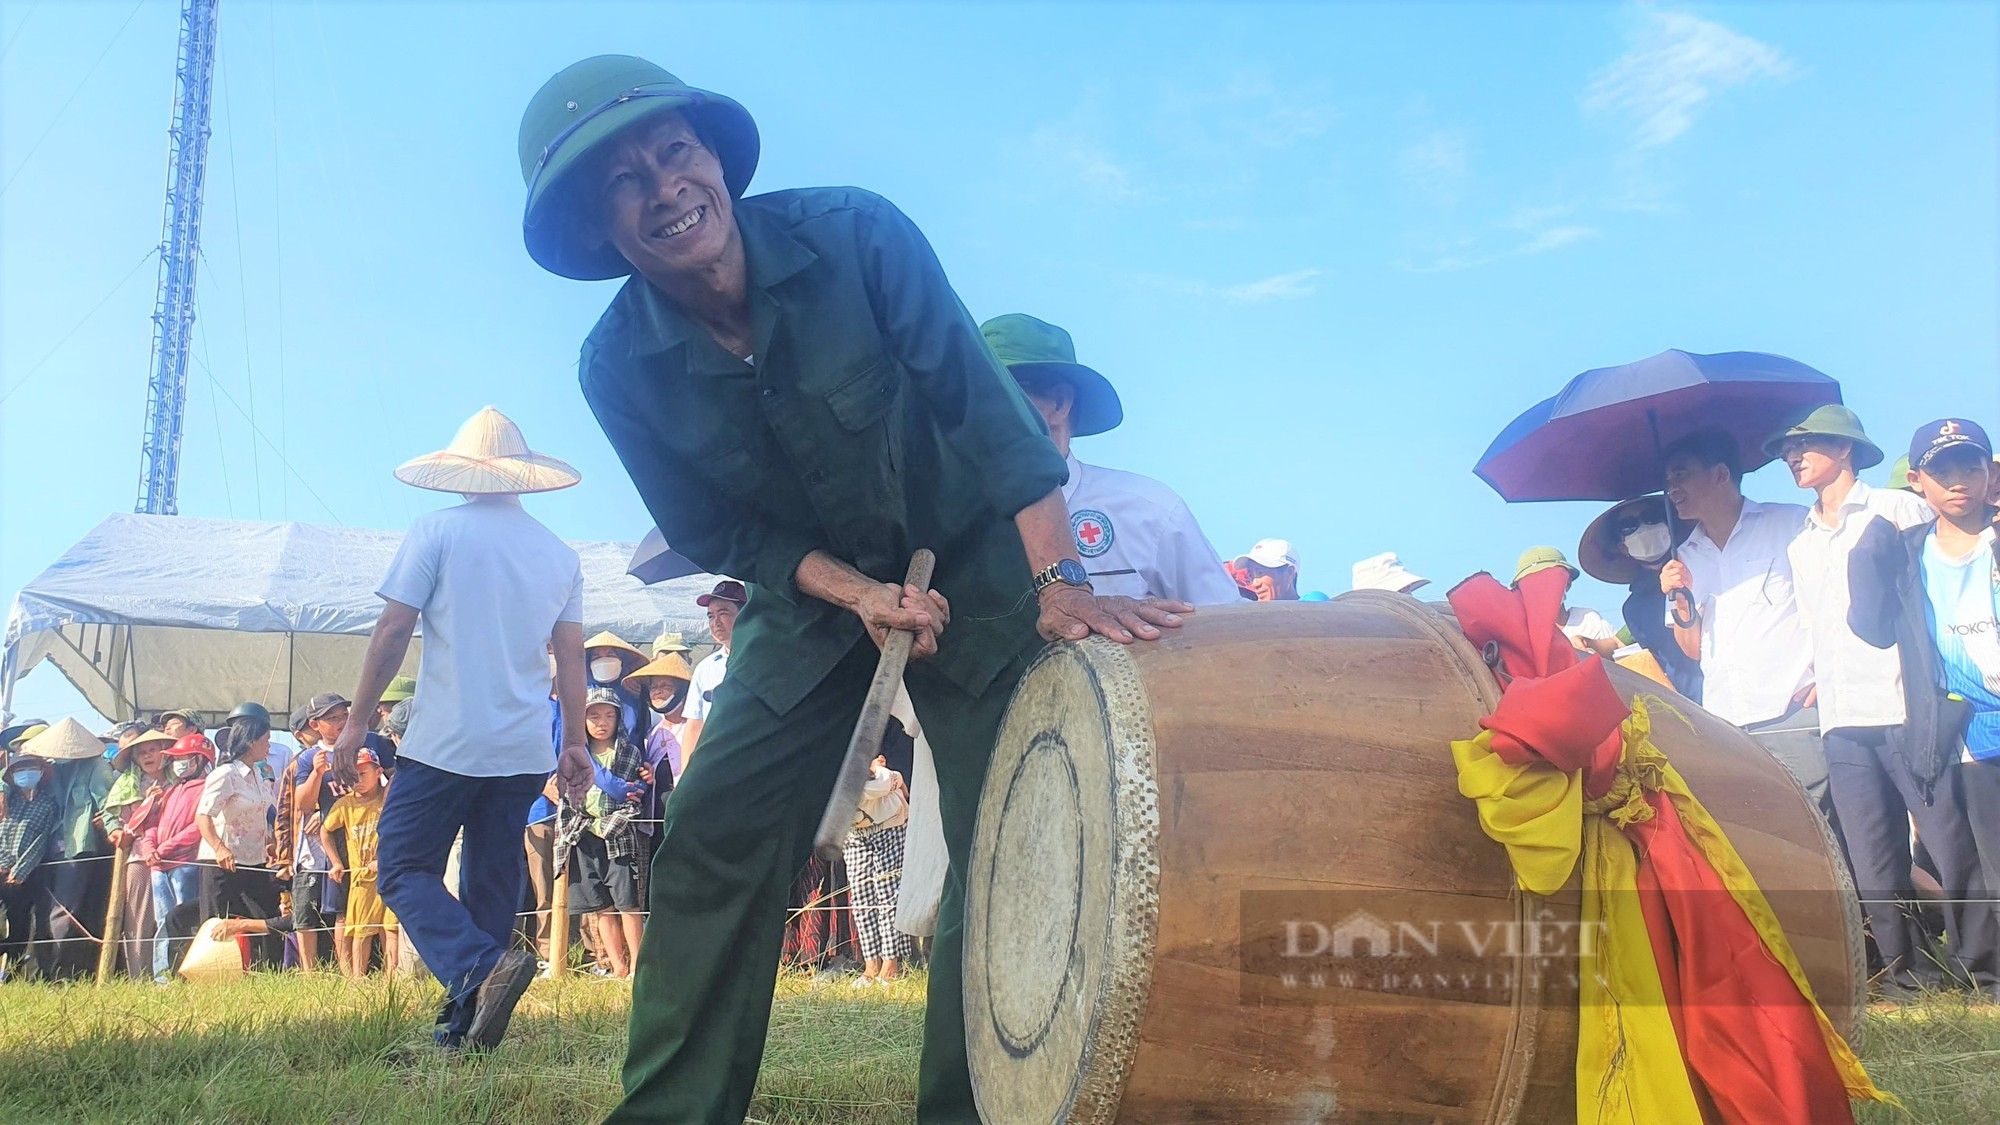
column 497, row 592
column 1740, row 618
column 722, row 604
column 1860, row 686
column 1136, row 537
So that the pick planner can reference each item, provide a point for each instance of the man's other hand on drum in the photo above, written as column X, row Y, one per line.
column 1071, row 613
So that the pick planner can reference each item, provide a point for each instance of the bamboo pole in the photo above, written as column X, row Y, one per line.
column 559, row 923
column 114, row 916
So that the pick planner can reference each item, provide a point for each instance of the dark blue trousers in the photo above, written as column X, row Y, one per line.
column 460, row 938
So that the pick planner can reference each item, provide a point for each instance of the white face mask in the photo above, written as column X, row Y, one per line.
column 605, row 669
column 1649, row 542
column 186, row 767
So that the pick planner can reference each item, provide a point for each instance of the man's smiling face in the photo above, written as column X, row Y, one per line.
column 661, row 198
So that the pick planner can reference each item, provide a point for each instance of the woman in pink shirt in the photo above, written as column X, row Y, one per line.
column 168, row 840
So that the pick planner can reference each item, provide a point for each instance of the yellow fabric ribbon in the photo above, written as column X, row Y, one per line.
column 1628, row 1062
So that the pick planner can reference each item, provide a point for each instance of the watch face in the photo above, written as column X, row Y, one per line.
column 1072, row 572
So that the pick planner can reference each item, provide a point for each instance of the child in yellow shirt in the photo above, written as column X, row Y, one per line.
column 356, row 815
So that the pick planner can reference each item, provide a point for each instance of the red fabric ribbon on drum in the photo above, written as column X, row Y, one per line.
column 1754, row 1047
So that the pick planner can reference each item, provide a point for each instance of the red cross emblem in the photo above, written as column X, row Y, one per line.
column 1093, row 532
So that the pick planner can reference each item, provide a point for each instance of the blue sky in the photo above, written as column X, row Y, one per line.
column 1325, row 251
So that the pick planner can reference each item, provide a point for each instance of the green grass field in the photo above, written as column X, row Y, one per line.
column 320, row 1049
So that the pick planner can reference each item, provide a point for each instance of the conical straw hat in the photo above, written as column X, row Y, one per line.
column 67, row 741
column 667, row 665
column 211, row 959
column 489, row 456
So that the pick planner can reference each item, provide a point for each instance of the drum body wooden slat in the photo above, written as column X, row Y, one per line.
column 1290, row 748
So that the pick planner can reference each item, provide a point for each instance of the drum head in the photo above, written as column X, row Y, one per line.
column 1062, row 898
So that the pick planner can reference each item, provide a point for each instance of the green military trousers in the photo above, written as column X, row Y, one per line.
column 738, row 828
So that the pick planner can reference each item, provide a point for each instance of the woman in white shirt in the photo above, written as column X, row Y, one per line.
column 234, row 816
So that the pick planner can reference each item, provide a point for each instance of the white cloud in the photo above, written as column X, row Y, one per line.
column 1069, row 146
column 1294, row 284
column 1543, row 236
column 1554, row 238
column 1536, row 218
column 1676, row 63
column 1437, row 163
column 1277, row 287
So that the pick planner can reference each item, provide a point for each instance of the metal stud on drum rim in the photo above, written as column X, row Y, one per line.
column 1062, row 909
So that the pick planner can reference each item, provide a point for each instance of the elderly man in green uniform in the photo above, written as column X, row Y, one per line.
column 802, row 401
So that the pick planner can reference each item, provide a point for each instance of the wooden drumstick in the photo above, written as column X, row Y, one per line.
column 866, row 744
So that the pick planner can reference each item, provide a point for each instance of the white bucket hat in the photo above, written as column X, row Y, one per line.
column 1385, row 572
column 488, row 457
column 67, row 741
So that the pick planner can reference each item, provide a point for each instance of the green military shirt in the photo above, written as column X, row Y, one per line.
column 872, row 420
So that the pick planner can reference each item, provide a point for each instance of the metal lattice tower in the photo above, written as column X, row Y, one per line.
column 180, row 243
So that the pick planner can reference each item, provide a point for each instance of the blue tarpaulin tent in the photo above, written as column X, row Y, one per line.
column 148, row 613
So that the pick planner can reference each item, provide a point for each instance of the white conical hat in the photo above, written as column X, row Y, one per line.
column 488, row 456
column 67, row 741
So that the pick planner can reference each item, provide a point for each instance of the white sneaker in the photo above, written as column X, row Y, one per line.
column 864, row 982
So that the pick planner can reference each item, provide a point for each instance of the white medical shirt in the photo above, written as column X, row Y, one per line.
column 1586, row 624
column 1755, row 656
column 708, row 675
column 1859, row 685
column 1137, row 539
column 491, row 583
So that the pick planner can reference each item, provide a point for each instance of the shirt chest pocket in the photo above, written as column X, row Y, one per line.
column 862, row 399
column 864, row 409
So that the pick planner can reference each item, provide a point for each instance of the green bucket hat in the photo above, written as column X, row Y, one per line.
column 399, row 689
column 1035, row 348
column 1832, row 420
column 1536, row 559
column 580, row 109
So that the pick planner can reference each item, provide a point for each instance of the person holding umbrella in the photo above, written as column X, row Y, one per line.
column 1740, row 615
column 1627, row 546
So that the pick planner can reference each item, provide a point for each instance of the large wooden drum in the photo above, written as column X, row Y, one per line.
column 1166, row 828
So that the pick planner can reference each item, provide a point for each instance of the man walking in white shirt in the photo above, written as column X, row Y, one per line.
column 497, row 592
column 1135, row 535
column 1740, row 617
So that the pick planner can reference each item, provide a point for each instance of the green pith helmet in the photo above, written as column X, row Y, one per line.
column 1899, row 475
column 575, row 113
column 250, row 711
column 399, row 689
column 1536, row 559
column 1832, row 420
column 1033, row 348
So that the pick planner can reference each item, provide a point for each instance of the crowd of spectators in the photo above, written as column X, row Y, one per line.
column 228, row 823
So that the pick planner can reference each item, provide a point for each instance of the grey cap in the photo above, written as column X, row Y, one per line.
column 318, row 706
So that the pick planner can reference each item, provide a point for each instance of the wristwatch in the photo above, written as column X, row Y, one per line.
column 1068, row 572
